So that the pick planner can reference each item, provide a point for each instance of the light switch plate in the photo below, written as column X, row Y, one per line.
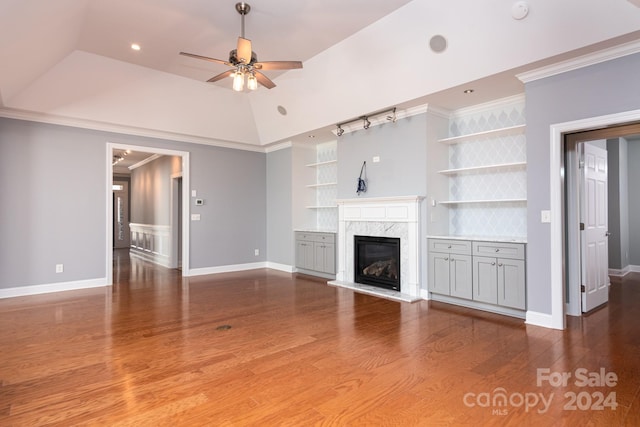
column 545, row 216
column 195, row 217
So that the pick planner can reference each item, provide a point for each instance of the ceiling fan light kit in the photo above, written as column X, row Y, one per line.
column 244, row 61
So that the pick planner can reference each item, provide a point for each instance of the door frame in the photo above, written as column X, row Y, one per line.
column 557, row 206
column 186, row 190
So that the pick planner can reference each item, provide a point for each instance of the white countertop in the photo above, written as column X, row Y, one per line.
column 501, row 239
column 314, row 230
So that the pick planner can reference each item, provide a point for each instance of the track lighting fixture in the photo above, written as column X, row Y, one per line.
column 366, row 123
column 393, row 116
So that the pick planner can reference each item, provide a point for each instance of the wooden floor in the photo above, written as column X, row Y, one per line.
column 266, row 348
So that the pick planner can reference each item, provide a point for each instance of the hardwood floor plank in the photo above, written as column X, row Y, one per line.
column 266, row 348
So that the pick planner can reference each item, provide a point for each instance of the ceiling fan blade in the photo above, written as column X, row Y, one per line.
column 264, row 80
column 221, row 76
column 278, row 65
column 243, row 52
column 206, row 58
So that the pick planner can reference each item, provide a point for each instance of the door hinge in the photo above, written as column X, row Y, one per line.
column 583, row 289
column 582, row 226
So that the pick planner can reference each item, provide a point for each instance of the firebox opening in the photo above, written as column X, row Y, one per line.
column 377, row 261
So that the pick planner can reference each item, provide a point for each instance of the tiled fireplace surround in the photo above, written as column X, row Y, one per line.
column 381, row 217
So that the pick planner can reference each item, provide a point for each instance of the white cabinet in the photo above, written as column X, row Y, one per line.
column 487, row 275
column 499, row 278
column 450, row 268
column 316, row 252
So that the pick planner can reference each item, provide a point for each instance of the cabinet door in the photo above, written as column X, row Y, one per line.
column 439, row 273
column 485, row 279
column 325, row 258
column 511, row 283
column 304, row 255
column 460, row 281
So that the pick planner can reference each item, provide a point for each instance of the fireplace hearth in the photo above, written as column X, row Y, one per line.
column 377, row 261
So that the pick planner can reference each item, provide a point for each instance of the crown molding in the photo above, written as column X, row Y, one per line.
column 145, row 161
column 12, row 113
column 491, row 105
column 276, row 147
column 604, row 55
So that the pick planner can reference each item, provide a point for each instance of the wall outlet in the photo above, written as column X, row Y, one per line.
column 59, row 268
column 256, row 252
column 376, row 159
column 194, row 193
column 195, row 217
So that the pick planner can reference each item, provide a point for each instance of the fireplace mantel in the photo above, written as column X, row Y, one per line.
column 381, row 217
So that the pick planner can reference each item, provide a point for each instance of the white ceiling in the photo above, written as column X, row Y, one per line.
column 70, row 60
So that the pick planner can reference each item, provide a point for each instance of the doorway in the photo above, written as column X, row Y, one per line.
column 181, row 241
column 121, row 233
column 585, row 221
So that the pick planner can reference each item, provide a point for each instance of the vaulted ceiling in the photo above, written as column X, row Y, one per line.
column 70, row 60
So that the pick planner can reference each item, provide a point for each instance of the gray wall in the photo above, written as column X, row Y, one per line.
column 618, row 192
column 605, row 88
column 151, row 191
column 279, row 207
column 52, row 185
column 634, row 202
column 402, row 149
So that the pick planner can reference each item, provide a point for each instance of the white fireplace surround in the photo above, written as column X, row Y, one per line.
column 381, row 217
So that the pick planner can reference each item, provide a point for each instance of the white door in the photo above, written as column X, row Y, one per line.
column 121, row 233
column 595, row 245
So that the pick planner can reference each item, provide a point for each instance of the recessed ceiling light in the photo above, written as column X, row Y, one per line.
column 468, row 91
column 282, row 110
column 135, row 46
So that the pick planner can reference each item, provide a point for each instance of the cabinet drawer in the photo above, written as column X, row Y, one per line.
column 462, row 247
column 499, row 250
column 316, row 237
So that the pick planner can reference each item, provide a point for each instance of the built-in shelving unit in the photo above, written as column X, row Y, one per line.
column 325, row 186
column 510, row 130
column 471, row 202
column 483, row 184
column 487, row 168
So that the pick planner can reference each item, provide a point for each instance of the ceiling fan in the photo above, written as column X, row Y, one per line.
column 245, row 62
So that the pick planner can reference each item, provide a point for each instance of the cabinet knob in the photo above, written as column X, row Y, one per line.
column 446, row 258
column 497, row 250
column 493, row 263
column 500, row 265
column 449, row 247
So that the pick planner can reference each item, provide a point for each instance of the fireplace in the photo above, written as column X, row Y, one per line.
column 377, row 261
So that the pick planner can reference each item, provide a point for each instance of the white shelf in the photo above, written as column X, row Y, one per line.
column 492, row 201
column 483, row 168
column 490, row 133
column 322, row 207
column 324, row 184
column 329, row 162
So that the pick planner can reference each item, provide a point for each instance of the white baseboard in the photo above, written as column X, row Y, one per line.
column 539, row 319
column 226, row 268
column 624, row 271
column 52, row 287
column 280, row 267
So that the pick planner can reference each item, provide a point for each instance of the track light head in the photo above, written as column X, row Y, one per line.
column 340, row 131
column 367, row 123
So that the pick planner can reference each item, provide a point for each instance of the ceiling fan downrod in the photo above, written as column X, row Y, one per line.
column 243, row 9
